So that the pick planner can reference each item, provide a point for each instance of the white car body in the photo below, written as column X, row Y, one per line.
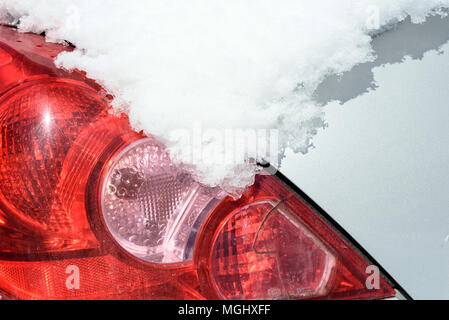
column 381, row 168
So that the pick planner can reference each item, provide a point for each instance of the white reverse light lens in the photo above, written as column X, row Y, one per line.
column 151, row 208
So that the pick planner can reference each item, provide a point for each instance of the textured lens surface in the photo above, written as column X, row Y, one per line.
column 45, row 159
column 262, row 252
column 152, row 208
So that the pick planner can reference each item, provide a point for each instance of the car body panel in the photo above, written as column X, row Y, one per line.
column 381, row 168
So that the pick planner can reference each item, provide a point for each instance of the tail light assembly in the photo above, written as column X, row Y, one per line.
column 81, row 191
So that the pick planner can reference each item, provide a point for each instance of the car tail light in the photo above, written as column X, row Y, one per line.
column 150, row 207
column 81, row 190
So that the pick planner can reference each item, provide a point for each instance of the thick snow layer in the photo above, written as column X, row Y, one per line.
column 206, row 68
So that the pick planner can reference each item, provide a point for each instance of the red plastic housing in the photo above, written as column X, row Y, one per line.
column 58, row 139
column 270, row 245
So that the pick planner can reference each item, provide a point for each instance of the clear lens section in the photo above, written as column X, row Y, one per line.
column 152, row 208
column 264, row 252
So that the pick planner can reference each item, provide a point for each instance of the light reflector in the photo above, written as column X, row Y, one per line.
column 152, row 208
column 263, row 252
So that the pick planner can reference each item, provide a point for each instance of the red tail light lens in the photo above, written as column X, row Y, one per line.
column 80, row 190
column 271, row 245
column 41, row 121
column 263, row 252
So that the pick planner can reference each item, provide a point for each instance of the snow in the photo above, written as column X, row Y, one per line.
column 225, row 67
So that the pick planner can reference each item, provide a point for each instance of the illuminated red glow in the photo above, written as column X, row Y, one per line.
column 57, row 141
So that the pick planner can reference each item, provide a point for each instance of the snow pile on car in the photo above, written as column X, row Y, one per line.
column 202, row 74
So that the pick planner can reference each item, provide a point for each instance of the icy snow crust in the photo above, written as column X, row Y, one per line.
column 221, row 65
